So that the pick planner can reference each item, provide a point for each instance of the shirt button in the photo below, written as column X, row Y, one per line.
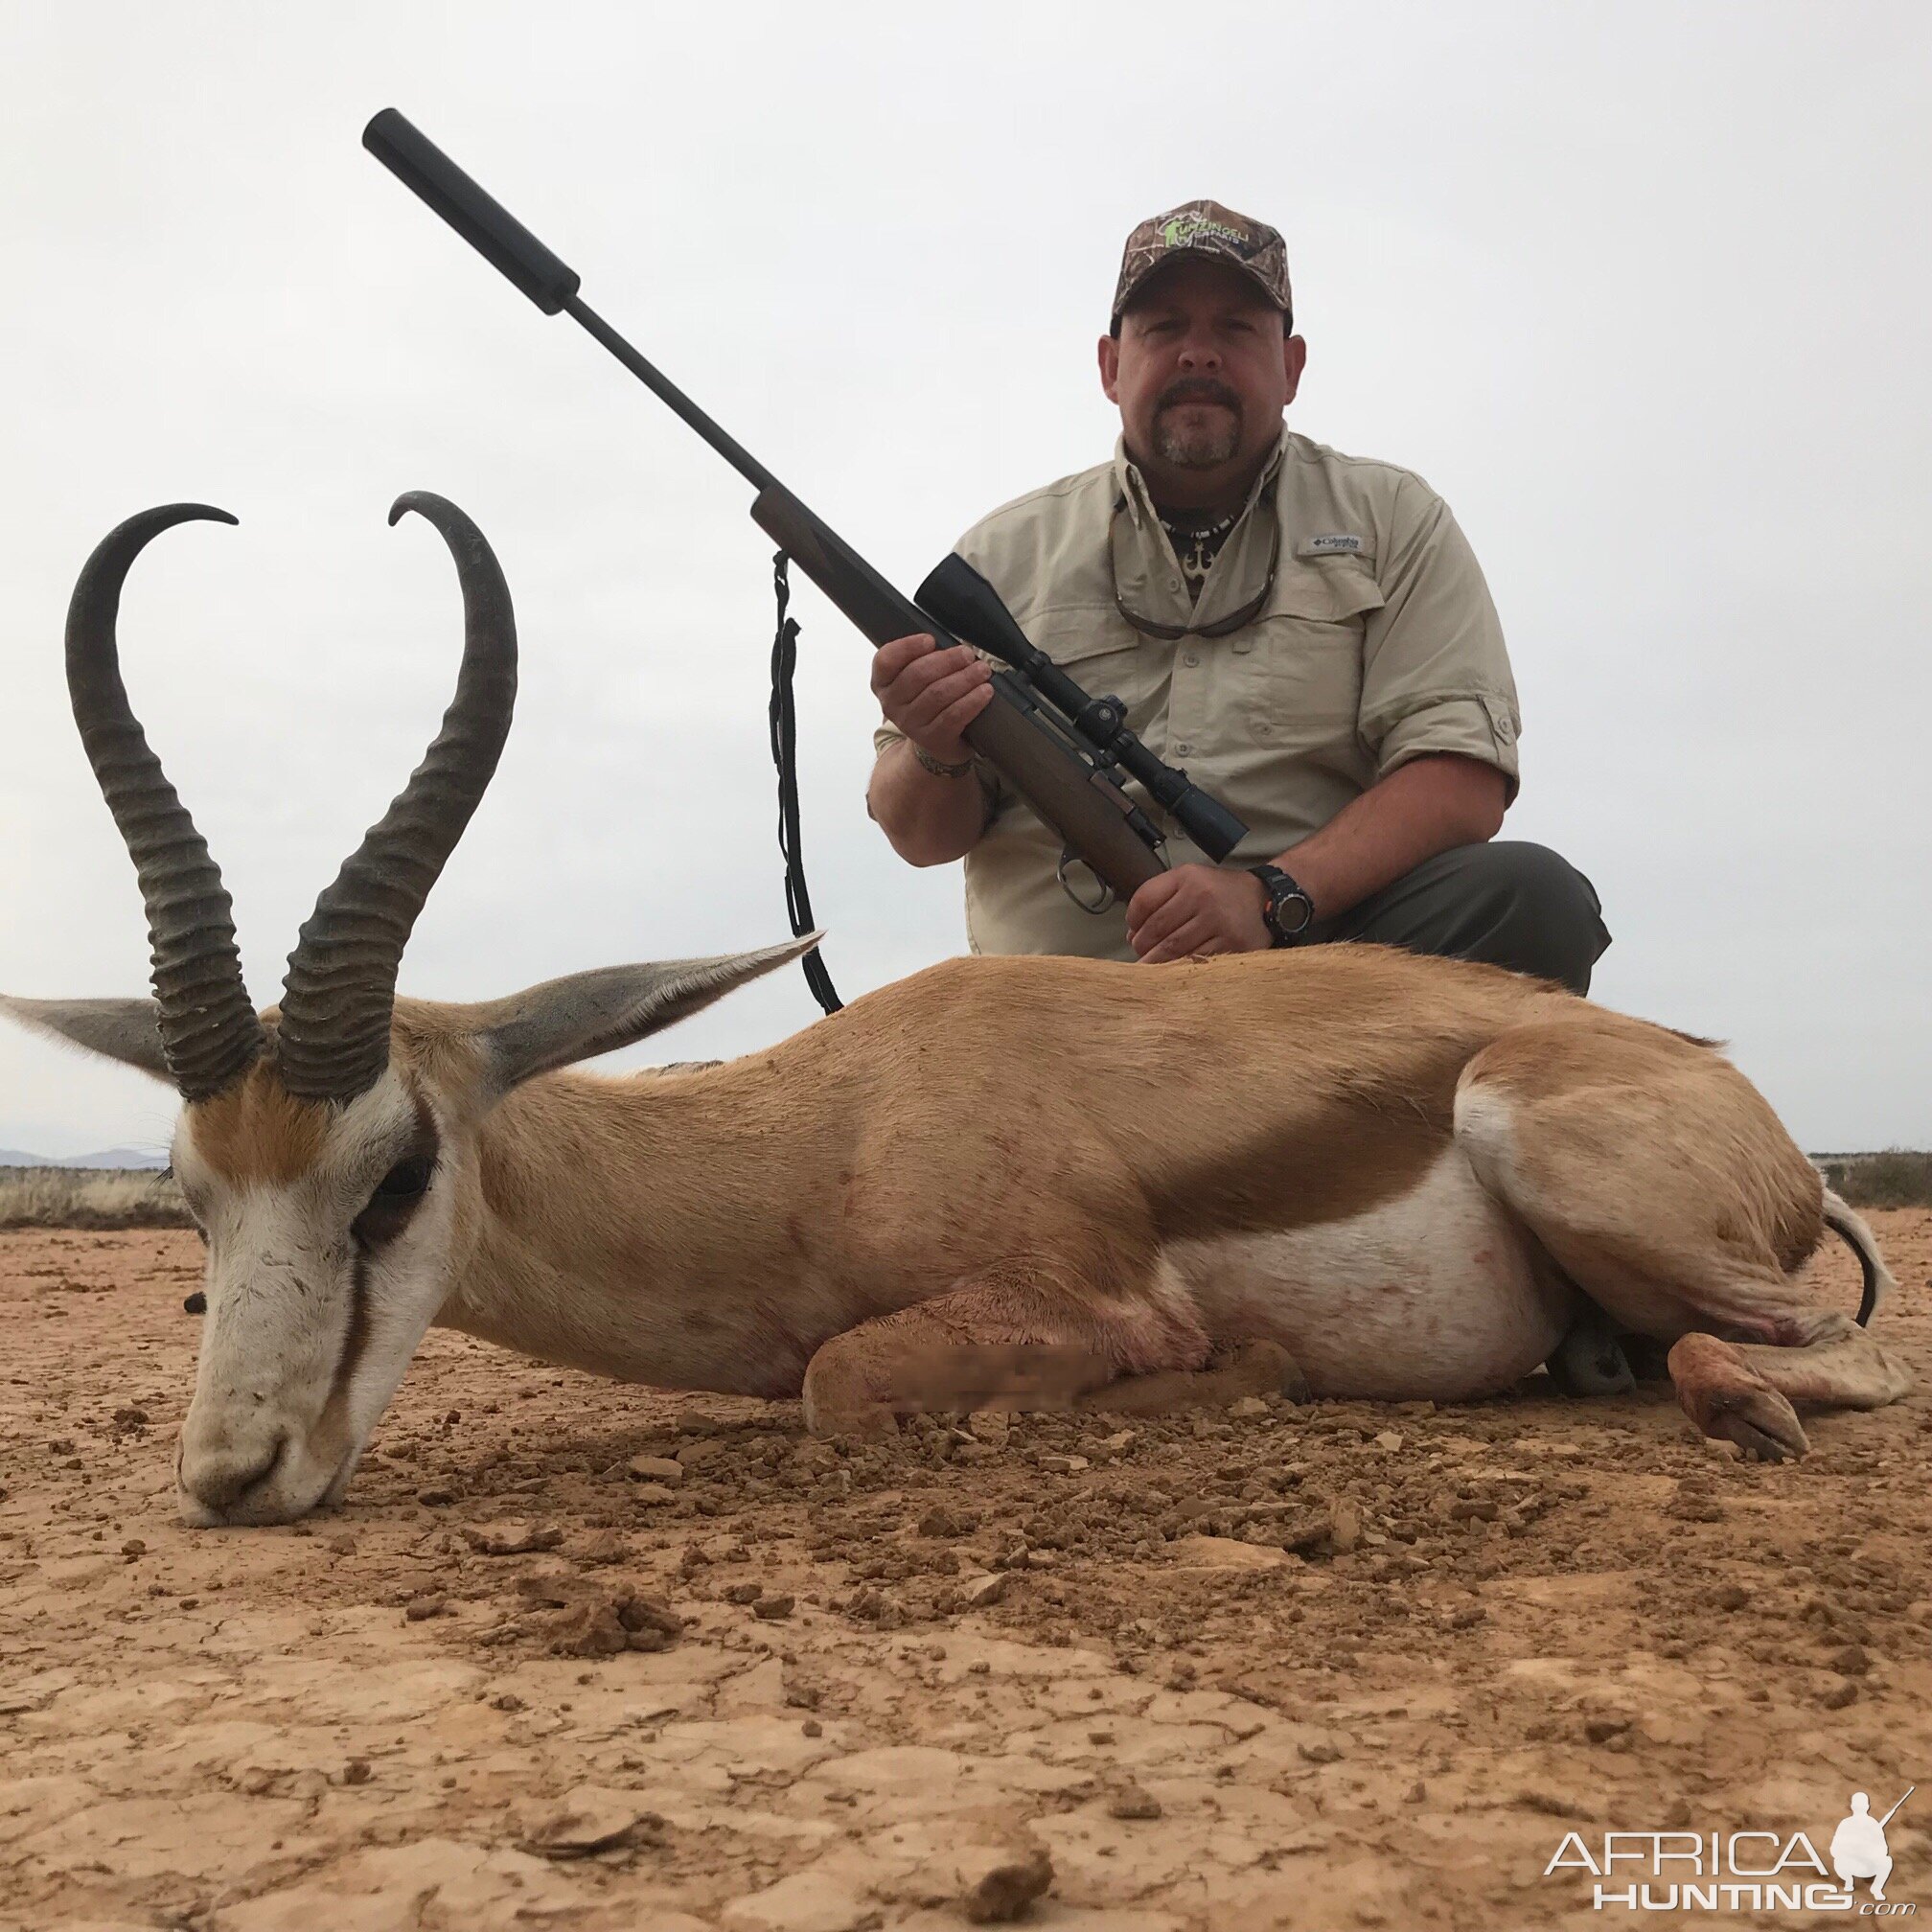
column 1262, row 728
column 1183, row 748
column 1173, row 582
column 1192, row 657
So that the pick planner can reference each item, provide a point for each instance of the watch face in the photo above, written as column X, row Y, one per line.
column 1294, row 911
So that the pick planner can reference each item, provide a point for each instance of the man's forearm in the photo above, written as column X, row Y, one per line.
column 928, row 821
column 1428, row 805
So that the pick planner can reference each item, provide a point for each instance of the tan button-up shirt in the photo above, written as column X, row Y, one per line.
column 1377, row 641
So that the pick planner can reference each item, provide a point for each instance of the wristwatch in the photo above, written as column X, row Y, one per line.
column 1287, row 911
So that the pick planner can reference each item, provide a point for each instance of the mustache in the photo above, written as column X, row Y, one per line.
column 1198, row 389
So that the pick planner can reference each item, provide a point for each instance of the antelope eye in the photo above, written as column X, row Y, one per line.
column 404, row 1180
column 397, row 1195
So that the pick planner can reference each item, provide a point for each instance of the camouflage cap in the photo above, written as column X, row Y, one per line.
column 1204, row 228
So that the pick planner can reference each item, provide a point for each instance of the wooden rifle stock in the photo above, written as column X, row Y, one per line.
column 1088, row 808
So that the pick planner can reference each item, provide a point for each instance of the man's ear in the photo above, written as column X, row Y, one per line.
column 576, row 1018
column 1293, row 359
column 127, row 1030
column 1110, row 368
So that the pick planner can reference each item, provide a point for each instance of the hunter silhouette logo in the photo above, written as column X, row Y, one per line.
column 1739, row 1871
column 1858, row 1849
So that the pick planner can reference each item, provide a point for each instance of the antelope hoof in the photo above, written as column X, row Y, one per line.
column 1590, row 1361
column 1730, row 1400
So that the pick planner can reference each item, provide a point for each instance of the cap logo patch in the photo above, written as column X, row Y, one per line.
column 1185, row 230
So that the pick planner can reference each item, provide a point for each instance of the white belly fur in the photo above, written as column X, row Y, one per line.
column 1429, row 1297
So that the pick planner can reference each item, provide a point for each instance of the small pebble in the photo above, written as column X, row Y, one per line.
column 1007, row 1891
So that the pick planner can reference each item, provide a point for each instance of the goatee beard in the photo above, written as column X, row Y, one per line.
column 1206, row 443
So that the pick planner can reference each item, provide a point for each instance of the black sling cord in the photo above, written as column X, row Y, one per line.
column 785, row 755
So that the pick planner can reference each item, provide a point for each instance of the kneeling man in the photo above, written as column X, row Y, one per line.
column 1307, row 633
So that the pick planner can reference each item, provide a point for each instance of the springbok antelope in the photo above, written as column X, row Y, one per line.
column 1412, row 1175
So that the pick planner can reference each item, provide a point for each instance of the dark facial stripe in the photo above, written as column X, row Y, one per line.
column 334, row 1419
column 377, row 1224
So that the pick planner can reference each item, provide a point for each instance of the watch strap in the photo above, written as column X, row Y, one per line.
column 1282, row 890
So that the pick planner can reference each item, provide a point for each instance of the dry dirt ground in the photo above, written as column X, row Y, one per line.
column 583, row 1656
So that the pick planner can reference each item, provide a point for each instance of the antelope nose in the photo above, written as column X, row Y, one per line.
column 219, row 1479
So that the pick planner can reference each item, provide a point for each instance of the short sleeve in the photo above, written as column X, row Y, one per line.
column 1436, row 675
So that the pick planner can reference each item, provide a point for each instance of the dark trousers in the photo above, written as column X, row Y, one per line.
column 1508, row 904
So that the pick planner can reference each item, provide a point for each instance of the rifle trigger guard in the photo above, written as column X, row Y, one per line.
column 1067, row 856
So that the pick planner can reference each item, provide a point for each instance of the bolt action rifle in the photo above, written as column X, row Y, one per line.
column 1058, row 747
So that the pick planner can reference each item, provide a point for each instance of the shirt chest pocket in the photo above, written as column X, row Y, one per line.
column 1106, row 657
column 1296, row 670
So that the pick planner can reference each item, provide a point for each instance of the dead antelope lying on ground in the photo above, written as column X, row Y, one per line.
column 1412, row 1175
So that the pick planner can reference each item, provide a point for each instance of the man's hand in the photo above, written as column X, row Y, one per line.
column 1197, row 909
column 931, row 695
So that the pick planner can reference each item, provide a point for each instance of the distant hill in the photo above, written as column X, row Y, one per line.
column 109, row 1156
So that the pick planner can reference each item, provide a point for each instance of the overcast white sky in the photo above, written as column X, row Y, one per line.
column 1642, row 290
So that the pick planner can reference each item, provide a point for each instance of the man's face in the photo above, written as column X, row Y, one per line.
column 1200, row 372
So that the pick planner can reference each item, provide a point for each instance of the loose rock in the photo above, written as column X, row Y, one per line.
column 511, row 1539
column 655, row 1469
column 1007, row 1891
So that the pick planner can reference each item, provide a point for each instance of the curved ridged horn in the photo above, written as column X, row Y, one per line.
column 340, row 991
column 209, row 1031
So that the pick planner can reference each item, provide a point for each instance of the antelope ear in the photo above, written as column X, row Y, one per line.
column 127, row 1030
column 576, row 1018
